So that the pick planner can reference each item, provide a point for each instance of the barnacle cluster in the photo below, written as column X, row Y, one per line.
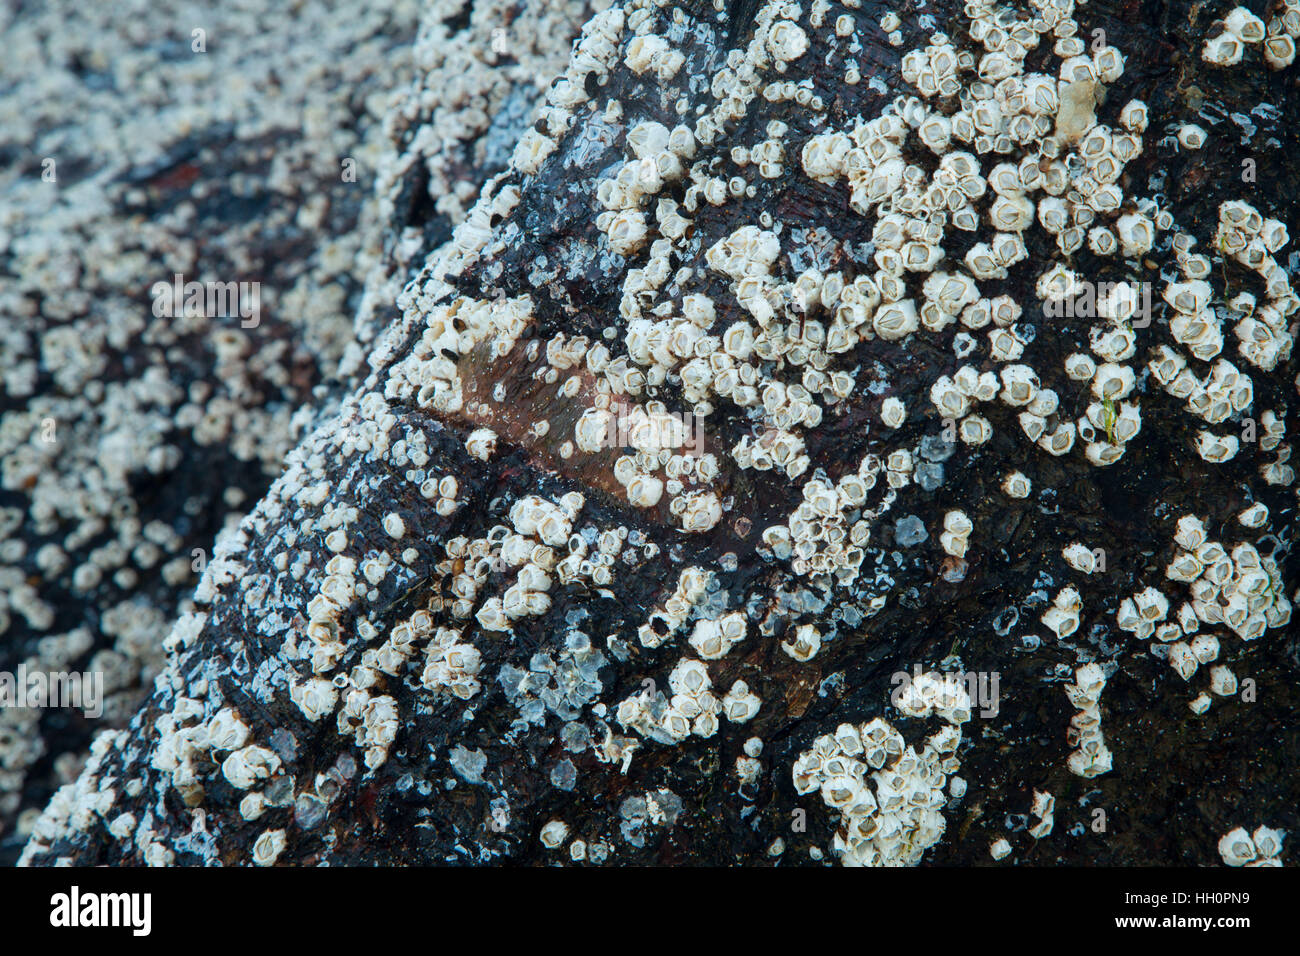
column 1240, row 29
column 894, row 822
column 1091, row 756
column 1240, row 847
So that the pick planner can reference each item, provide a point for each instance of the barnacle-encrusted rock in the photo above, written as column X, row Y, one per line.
column 156, row 147
column 146, row 147
column 602, row 562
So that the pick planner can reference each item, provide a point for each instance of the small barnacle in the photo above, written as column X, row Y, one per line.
column 252, row 806
column 1182, row 660
column 1133, row 117
column 1080, row 557
column 740, row 704
column 1011, row 213
column 1226, row 49
column 481, row 443
column 316, row 697
column 682, row 142
column 268, row 847
column 975, row 430
column 245, row 767
column 226, row 731
column 1256, row 516
column 1216, row 449
column 1109, row 64
column 1237, row 848
column 700, row 510
column 787, row 41
column 1268, row 843
column 1205, row 648
column 896, row 320
column 1053, row 214
column 532, row 150
column 948, row 399
column 1192, row 136
column 1005, row 345
column 394, row 527
column 1019, row 385
column 805, row 645
column 626, row 231
column 1279, row 51
column 1113, row 382
column 893, row 412
column 1102, row 241
column 1060, row 440
column 1136, row 234
column 554, row 833
column 1244, row 25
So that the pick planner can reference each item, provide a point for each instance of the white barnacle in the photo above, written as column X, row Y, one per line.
column 481, row 443
column 1080, row 367
column 1136, row 233
column 974, row 430
column 316, row 697
column 243, row 768
column 1279, row 51
column 805, row 644
column 1244, row 25
column 554, row 833
column 1080, row 557
column 592, row 429
column 1019, row 385
column 740, row 704
column 268, row 847
column 1016, row 485
column 893, row 412
column 644, row 491
column 1060, row 440
column 1192, row 136
column 1182, row 660
column 1255, row 516
column 1113, row 382
column 1134, row 116
column 1236, row 848
column 226, row 731
column 1216, row 449
column 895, row 320
column 948, row 399
column 700, row 511
column 787, row 41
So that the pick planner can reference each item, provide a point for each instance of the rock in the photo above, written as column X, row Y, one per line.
column 620, row 286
